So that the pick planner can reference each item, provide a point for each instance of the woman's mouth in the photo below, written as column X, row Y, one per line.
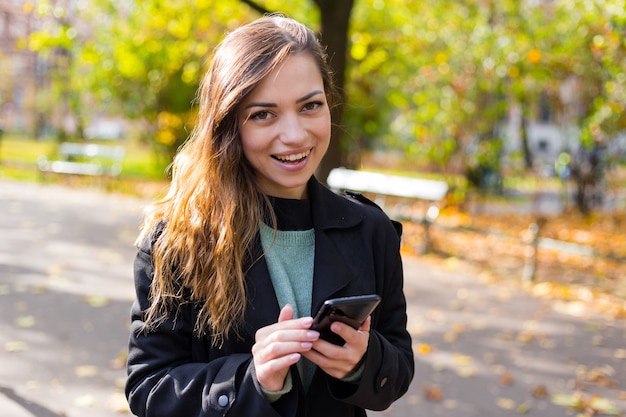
column 293, row 158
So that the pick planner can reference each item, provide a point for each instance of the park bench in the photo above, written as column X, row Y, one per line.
column 88, row 159
column 406, row 190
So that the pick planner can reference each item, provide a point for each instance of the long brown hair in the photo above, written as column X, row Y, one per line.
column 211, row 214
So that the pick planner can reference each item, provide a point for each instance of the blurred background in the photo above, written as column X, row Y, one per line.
column 517, row 105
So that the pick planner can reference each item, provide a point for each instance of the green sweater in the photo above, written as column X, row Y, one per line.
column 290, row 262
column 289, row 256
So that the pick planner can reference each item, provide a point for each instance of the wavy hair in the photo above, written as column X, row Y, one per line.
column 210, row 216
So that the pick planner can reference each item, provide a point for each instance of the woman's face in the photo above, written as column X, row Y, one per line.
column 285, row 127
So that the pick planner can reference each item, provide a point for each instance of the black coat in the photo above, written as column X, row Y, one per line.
column 172, row 372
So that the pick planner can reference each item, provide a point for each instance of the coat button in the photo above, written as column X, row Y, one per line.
column 383, row 382
column 222, row 401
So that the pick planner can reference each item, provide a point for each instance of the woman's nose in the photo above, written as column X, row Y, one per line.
column 293, row 130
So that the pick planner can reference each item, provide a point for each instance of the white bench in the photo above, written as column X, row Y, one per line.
column 384, row 185
column 85, row 159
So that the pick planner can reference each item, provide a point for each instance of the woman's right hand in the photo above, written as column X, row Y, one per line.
column 279, row 345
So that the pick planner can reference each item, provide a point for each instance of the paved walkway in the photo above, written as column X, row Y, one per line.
column 482, row 349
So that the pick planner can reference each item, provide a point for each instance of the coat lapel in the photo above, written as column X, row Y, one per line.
column 331, row 212
column 262, row 308
column 330, row 274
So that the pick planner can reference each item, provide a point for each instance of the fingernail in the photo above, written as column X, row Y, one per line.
column 307, row 321
column 306, row 345
column 313, row 335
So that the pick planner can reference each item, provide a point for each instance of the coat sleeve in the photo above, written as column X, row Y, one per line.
column 169, row 375
column 389, row 363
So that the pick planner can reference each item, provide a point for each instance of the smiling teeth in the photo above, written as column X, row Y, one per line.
column 293, row 157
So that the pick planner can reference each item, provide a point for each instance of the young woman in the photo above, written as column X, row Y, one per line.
column 247, row 245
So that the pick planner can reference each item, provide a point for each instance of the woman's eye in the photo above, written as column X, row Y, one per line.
column 261, row 115
column 313, row 105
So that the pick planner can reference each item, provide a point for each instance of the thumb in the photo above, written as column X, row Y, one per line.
column 367, row 324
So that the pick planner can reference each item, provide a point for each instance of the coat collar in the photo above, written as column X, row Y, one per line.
column 329, row 209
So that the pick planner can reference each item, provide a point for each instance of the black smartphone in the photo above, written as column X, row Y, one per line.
column 350, row 310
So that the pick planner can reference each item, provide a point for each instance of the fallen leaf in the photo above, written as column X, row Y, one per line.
column 506, row 379
column 522, row 408
column 450, row 336
column 505, row 403
column 96, row 301
column 5, row 289
column 85, row 371
column 85, row 401
column 463, row 359
column 432, row 393
column 604, row 406
column 574, row 401
column 540, row 391
column 424, row 349
column 25, row 322
column 15, row 346
column 466, row 372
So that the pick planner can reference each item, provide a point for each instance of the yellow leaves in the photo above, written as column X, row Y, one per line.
column 423, row 349
column 168, row 124
column 28, row 7
column 358, row 51
column 591, row 405
column 600, row 375
column 441, row 58
column 191, row 72
column 534, row 56
column 129, row 64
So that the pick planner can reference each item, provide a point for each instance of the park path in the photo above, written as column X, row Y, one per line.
column 483, row 347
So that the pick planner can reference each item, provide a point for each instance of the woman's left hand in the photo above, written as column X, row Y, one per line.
column 340, row 361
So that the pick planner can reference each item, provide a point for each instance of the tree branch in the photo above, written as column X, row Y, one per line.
column 254, row 6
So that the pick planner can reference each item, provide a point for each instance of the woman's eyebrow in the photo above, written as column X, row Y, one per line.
column 300, row 100
column 308, row 96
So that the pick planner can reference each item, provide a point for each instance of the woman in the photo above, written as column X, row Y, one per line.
column 247, row 229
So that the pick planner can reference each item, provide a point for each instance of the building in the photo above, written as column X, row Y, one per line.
column 20, row 72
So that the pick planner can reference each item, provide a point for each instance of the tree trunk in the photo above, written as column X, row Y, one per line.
column 335, row 22
column 528, row 155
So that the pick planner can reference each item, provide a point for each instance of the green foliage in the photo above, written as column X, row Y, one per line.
column 434, row 79
column 431, row 79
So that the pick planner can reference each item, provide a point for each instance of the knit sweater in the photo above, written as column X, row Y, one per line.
column 289, row 254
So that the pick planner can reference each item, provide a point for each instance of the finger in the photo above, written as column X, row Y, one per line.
column 286, row 313
column 271, row 374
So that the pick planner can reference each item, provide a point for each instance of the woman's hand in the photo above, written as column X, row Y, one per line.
column 340, row 361
column 280, row 345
